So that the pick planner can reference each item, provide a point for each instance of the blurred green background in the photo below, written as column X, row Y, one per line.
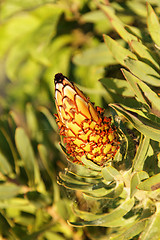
column 37, row 40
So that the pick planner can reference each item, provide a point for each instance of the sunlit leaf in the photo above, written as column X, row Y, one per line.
column 152, row 230
column 119, row 53
column 109, row 217
column 143, row 71
column 27, row 155
column 95, row 56
column 117, row 24
column 150, row 184
column 141, row 154
column 153, row 25
column 132, row 231
column 142, row 124
column 136, row 179
column 9, row 190
column 117, row 86
column 110, row 173
column 145, row 53
column 5, row 167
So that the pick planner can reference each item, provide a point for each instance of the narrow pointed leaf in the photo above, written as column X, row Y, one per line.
column 21, row 204
column 144, row 53
column 143, row 71
column 153, row 25
column 151, row 184
column 9, row 190
column 143, row 125
column 31, row 120
column 111, row 194
column 90, row 164
column 133, row 82
column 117, row 86
column 132, row 231
column 89, row 179
column 99, row 56
column 27, row 155
column 44, row 158
column 152, row 230
column 88, row 216
column 117, row 24
column 12, row 148
column 119, row 52
column 143, row 92
column 49, row 117
column 73, row 184
column 141, row 154
column 5, row 167
column 26, row 152
column 136, row 179
column 110, row 173
column 103, row 219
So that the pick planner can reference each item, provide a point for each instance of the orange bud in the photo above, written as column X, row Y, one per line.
column 86, row 130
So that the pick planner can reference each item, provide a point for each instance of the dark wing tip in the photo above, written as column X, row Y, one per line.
column 58, row 78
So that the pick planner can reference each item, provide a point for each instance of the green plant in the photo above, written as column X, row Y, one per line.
column 38, row 39
column 123, row 196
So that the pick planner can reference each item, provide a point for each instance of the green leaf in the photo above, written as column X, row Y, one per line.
column 27, row 155
column 136, row 179
column 117, row 24
column 151, row 184
column 117, row 86
column 93, row 16
column 9, row 190
column 44, row 157
column 143, row 92
column 88, row 216
column 5, row 225
column 145, row 53
column 138, row 8
column 109, row 194
column 51, row 172
column 133, row 83
column 20, row 204
column 109, row 173
column 119, row 53
column 87, row 178
column 91, row 187
column 49, row 117
column 12, row 7
column 90, row 164
column 11, row 147
column 5, row 167
column 98, row 55
column 38, row 199
column 152, row 230
column 16, row 57
column 31, row 120
column 143, row 125
column 52, row 235
column 141, row 154
column 143, row 71
column 75, row 184
column 103, row 219
column 153, row 25
column 132, row 231
column 23, row 23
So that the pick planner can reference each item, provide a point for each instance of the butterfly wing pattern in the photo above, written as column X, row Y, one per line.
column 85, row 129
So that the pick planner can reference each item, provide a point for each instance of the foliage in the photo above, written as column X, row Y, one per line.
column 38, row 39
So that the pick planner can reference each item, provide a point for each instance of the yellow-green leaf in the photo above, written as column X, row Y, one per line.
column 119, row 53
column 153, row 25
